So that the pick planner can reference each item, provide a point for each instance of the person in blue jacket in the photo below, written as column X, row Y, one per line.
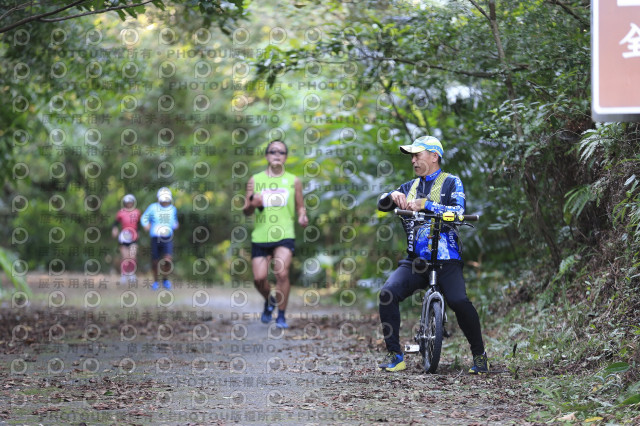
column 434, row 191
column 161, row 220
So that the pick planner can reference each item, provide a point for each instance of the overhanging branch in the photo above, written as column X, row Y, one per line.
column 95, row 12
column 43, row 17
column 567, row 9
column 478, row 74
column 39, row 16
column 16, row 8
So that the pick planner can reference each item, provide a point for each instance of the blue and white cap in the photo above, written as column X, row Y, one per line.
column 423, row 143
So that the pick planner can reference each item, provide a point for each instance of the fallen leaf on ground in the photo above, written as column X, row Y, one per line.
column 571, row 417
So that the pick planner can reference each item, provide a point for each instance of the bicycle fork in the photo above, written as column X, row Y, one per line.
column 431, row 296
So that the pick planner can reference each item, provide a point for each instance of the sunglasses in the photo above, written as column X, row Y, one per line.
column 277, row 152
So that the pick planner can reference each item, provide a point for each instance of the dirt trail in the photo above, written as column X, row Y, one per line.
column 201, row 356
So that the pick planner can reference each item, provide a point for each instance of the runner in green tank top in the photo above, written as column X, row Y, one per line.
column 275, row 196
column 275, row 221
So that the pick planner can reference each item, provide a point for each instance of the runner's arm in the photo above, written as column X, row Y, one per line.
column 303, row 220
column 252, row 200
column 115, row 228
column 174, row 219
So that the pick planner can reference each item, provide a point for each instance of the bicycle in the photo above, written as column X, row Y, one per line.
column 428, row 339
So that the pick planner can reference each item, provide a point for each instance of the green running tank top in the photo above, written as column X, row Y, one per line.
column 276, row 221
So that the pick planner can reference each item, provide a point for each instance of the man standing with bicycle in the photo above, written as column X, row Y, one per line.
column 435, row 191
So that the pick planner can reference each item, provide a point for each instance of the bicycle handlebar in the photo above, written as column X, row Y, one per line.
column 446, row 216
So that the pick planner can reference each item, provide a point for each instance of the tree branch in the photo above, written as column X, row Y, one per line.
column 18, row 7
column 567, row 9
column 95, row 12
column 479, row 74
column 365, row 54
column 480, row 9
column 40, row 16
column 387, row 90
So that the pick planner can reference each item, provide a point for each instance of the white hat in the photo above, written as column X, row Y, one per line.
column 423, row 143
column 164, row 195
column 129, row 198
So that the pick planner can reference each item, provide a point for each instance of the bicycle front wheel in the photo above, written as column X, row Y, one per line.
column 432, row 337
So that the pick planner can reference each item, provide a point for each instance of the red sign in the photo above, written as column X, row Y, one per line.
column 615, row 61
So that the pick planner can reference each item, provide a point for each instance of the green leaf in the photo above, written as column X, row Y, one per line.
column 132, row 12
column 617, row 367
column 159, row 4
column 544, row 391
column 566, row 265
column 634, row 387
column 577, row 199
column 635, row 399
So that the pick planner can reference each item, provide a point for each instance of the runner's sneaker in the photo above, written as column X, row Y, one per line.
column 393, row 362
column 167, row 284
column 269, row 307
column 155, row 285
column 281, row 322
column 480, row 364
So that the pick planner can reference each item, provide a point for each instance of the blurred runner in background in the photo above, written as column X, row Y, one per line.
column 125, row 229
column 161, row 220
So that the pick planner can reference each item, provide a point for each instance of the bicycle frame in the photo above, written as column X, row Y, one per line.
column 428, row 339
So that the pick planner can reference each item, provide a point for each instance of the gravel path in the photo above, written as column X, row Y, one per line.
column 119, row 355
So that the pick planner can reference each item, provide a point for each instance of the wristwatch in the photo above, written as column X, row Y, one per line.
column 251, row 199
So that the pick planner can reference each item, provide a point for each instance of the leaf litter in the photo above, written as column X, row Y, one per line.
column 321, row 370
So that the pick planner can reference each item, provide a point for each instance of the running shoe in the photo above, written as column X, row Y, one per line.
column 281, row 322
column 480, row 364
column 269, row 307
column 393, row 362
column 167, row 284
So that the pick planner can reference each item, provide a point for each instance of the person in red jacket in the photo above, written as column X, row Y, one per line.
column 125, row 229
